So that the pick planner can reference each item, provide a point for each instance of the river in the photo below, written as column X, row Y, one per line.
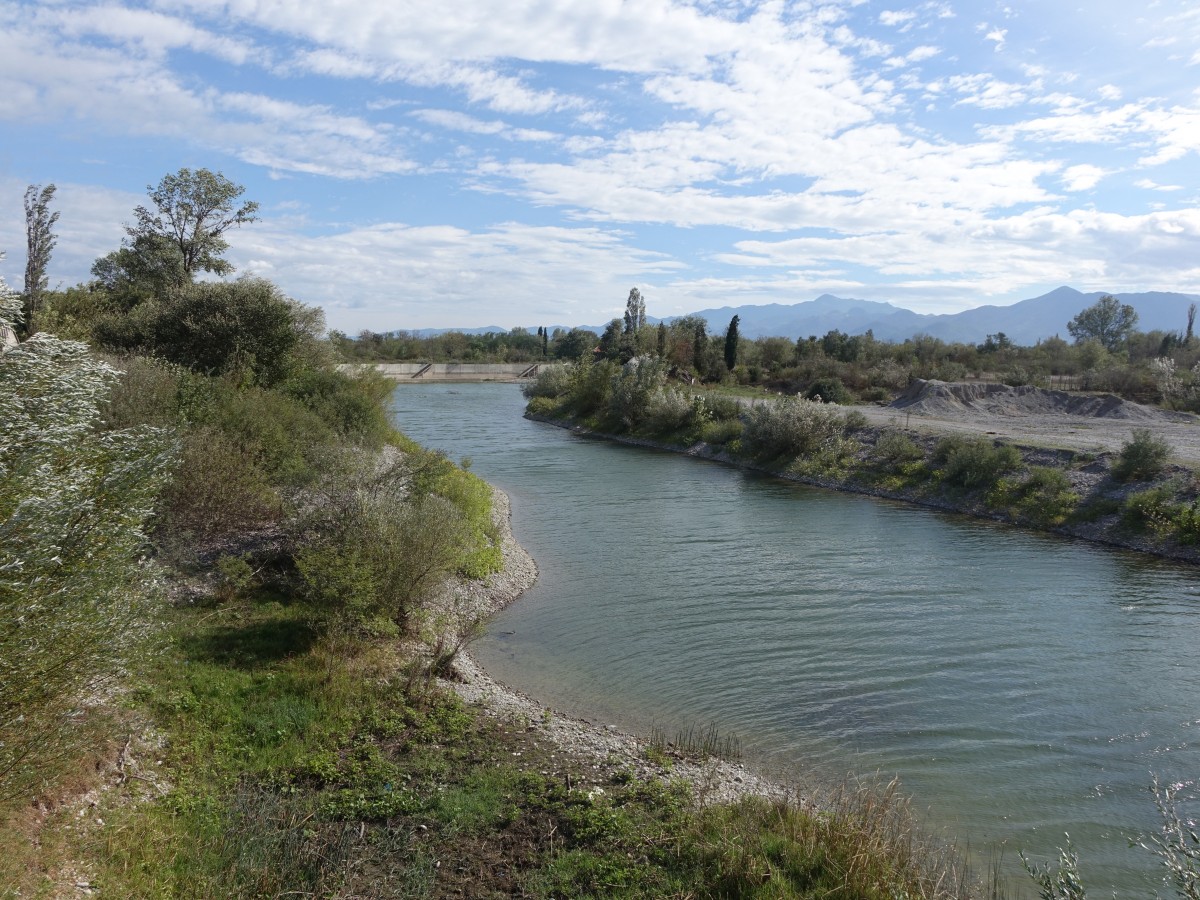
column 1020, row 685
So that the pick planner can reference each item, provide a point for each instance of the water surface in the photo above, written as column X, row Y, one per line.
column 1021, row 686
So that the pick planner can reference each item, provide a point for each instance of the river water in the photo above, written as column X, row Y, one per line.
column 1020, row 685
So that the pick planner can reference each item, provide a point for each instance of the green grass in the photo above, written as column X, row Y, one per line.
column 300, row 768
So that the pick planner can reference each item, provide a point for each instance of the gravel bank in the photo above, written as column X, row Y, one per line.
column 602, row 749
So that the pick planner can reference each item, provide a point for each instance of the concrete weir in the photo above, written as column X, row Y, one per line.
column 414, row 373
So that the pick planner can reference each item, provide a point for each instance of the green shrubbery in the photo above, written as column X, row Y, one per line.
column 386, row 534
column 1044, row 497
column 792, row 427
column 1143, row 456
column 973, row 463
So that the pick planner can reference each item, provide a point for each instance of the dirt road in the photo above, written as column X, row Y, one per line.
column 1039, row 418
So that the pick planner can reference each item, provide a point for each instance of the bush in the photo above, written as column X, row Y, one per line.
column 591, row 386
column 632, row 388
column 74, row 502
column 551, row 382
column 245, row 327
column 974, row 463
column 353, row 406
column 218, row 489
column 791, row 427
column 386, row 535
column 1045, row 497
column 1142, row 457
column 894, row 449
column 828, row 390
column 721, row 431
column 670, row 411
column 721, row 408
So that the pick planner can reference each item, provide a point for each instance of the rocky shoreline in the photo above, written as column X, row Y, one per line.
column 602, row 750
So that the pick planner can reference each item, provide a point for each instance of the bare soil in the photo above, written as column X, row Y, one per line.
column 1032, row 417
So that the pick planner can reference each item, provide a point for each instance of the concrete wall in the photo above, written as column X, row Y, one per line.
column 406, row 372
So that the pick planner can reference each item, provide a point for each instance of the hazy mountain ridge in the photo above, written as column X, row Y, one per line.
column 1025, row 322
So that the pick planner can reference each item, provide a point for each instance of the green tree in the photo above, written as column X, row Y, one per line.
column 39, row 241
column 192, row 210
column 1108, row 321
column 610, row 341
column 731, row 343
column 575, row 343
column 246, row 326
column 635, row 312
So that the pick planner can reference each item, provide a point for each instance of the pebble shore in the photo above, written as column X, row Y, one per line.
column 600, row 748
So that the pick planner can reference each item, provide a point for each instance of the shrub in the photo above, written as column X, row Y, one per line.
column 632, row 388
column 1143, row 456
column 670, row 410
column 591, row 385
column 974, row 463
column 551, row 382
column 791, row 427
column 386, row 535
column 1150, row 509
column 894, row 449
column 1044, row 497
column 828, row 390
column 721, row 431
column 720, row 408
column 353, row 406
column 74, row 502
column 244, row 327
column 218, row 489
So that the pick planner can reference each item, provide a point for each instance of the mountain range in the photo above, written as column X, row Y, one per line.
column 1024, row 323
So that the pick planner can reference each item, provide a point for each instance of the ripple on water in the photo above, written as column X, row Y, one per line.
column 1021, row 685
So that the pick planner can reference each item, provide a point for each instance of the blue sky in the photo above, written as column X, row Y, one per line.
column 460, row 163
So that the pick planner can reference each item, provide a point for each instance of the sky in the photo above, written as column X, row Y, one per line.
column 526, row 162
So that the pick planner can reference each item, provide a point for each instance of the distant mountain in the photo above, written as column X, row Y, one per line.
column 1025, row 322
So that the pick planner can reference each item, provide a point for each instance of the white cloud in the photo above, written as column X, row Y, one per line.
column 1083, row 177
column 1110, row 92
column 451, row 275
column 1148, row 185
column 896, row 17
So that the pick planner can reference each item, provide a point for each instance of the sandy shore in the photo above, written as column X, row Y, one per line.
column 603, row 749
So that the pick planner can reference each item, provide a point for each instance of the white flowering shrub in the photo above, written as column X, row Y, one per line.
column 793, row 427
column 632, row 388
column 74, row 501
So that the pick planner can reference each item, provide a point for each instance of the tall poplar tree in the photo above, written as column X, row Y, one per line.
column 39, row 240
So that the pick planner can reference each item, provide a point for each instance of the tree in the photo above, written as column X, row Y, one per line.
column 192, row 210
column 40, row 240
column 610, row 341
column 635, row 312
column 1107, row 321
column 731, row 343
column 575, row 343
column 246, row 327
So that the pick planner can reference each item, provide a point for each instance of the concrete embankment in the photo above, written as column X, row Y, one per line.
column 415, row 373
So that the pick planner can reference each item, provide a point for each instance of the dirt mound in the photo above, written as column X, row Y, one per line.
column 941, row 398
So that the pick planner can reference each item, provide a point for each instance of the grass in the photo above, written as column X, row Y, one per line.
column 295, row 767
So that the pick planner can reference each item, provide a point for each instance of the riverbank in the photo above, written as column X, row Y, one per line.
column 1103, row 512
column 604, row 750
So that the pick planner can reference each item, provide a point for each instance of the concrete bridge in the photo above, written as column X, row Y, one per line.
column 413, row 373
